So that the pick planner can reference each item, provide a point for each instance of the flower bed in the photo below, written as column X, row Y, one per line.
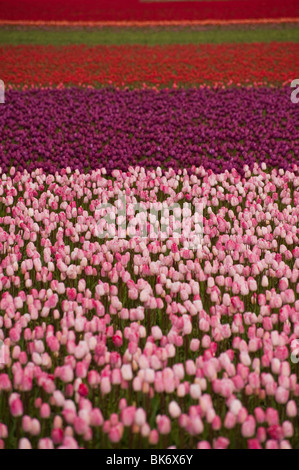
column 135, row 65
column 89, row 129
column 140, row 341
column 134, row 10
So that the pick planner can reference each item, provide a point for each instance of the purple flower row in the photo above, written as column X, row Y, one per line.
column 89, row 129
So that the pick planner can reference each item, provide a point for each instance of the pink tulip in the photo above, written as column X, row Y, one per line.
column 230, row 420
column 115, row 433
column 45, row 443
column 203, row 445
column 248, row 427
column 163, row 423
column 288, row 430
column 24, row 443
column 16, row 407
column 26, row 423
column 254, row 444
column 281, row 395
column 259, row 415
column 128, row 415
column 291, row 409
column 126, row 371
column 154, row 437
column 174, row 409
column 140, row 417
column 80, row 426
column 272, row 444
column 220, row 443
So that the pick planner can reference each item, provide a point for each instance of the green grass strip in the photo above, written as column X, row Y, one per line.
column 149, row 36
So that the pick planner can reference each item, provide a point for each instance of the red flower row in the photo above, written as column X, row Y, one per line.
column 134, row 10
column 191, row 65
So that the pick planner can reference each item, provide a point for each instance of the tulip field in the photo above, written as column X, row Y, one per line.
column 149, row 225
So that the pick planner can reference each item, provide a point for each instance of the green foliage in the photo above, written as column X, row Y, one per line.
column 149, row 35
